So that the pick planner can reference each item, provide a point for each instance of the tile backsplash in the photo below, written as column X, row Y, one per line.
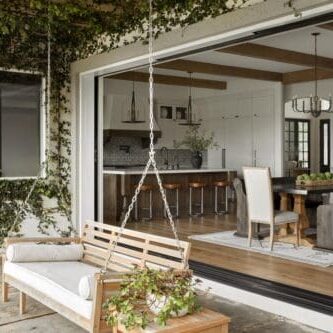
column 129, row 151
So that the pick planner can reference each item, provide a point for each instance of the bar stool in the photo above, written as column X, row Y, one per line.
column 197, row 186
column 223, row 184
column 145, row 189
column 172, row 187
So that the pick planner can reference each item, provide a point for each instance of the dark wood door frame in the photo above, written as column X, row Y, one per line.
column 324, row 167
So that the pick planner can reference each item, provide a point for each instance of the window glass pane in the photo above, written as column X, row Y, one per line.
column 20, row 104
column 305, row 126
column 300, row 126
column 291, row 124
column 325, row 146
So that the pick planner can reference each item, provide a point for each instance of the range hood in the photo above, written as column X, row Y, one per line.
column 116, row 111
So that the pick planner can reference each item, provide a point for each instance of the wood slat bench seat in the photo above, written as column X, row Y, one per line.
column 133, row 248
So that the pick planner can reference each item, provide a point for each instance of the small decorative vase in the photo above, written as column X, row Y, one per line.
column 196, row 159
column 156, row 304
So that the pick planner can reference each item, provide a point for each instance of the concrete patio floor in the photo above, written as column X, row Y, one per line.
column 244, row 318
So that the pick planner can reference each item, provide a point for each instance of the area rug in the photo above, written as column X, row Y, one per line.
column 281, row 250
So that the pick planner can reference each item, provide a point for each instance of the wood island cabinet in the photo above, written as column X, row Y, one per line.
column 119, row 186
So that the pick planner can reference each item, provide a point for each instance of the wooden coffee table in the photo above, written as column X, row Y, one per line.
column 205, row 321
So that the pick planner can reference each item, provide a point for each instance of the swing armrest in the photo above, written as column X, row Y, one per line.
column 110, row 277
column 14, row 240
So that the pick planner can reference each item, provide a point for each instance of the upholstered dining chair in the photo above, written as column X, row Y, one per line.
column 260, row 206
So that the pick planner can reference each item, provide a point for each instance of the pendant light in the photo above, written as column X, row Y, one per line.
column 133, row 112
column 313, row 104
column 190, row 121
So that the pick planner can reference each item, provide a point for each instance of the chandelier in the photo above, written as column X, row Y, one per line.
column 190, row 119
column 133, row 112
column 313, row 104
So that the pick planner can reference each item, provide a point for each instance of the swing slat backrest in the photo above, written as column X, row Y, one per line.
column 133, row 248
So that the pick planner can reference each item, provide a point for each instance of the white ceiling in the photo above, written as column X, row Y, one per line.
column 302, row 41
column 296, row 40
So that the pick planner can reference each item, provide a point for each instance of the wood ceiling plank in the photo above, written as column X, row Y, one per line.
column 328, row 26
column 277, row 54
column 306, row 75
column 171, row 80
column 215, row 69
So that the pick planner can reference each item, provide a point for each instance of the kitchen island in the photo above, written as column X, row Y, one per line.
column 119, row 186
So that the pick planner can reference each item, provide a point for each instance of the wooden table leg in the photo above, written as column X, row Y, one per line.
column 299, row 208
column 283, row 229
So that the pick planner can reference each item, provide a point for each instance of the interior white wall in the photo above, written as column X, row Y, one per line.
column 325, row 88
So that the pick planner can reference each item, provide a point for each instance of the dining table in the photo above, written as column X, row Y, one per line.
column 299, row 193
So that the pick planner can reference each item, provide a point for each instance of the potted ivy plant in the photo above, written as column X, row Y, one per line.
column 197, row 142
column 149, row 295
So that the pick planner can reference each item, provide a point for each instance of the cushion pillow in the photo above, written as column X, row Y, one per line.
column 87, row 287
column 31, row 252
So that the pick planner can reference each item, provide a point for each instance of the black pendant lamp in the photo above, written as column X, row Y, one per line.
column 133, row 112
column 313, row 104
column 190, row 119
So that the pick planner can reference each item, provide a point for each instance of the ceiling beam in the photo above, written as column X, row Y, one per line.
column 171, row 80
column 328, row 26
column 279, row 55
column 214, row 69
column 306, row 75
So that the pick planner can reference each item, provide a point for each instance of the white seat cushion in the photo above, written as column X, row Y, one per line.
column 281, row 217
column 57, row 280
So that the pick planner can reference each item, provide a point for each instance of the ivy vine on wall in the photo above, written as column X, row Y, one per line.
column 79, row 28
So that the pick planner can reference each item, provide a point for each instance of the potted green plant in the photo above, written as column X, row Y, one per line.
column 197, row 143
column 149, row 295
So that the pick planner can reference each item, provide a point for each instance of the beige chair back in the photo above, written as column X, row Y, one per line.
column 259, row 194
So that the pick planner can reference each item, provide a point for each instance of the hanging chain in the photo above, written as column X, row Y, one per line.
column 48, row 83
column 151, row 161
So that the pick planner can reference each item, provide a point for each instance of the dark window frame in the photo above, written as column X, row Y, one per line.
column 293, row 136
column 323, row 167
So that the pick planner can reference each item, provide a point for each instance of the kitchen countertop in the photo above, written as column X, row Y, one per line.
column 138, row 171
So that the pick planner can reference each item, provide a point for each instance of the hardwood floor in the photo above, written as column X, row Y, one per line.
column 296, row 274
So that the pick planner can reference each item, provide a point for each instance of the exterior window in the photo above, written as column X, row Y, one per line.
column 20, row 124
column 296, row 144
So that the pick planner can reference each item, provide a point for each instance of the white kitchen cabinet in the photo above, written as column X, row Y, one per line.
column 246, row 130
column 239, row 134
